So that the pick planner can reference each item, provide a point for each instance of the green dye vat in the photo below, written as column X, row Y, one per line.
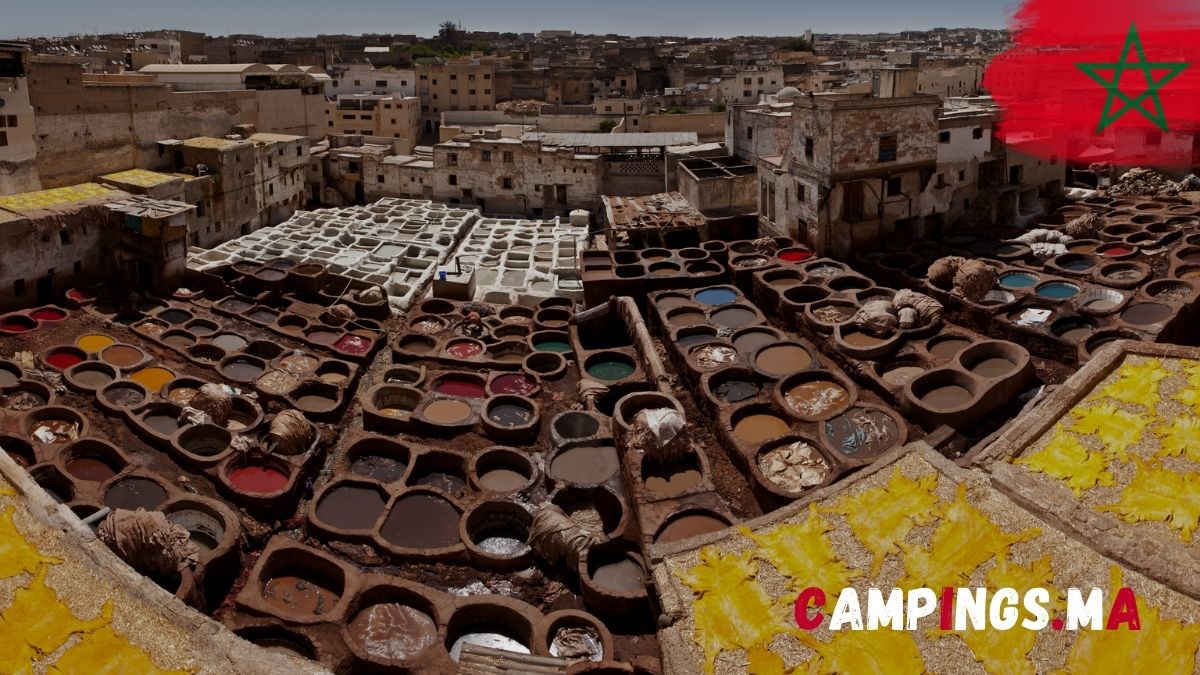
column 610, row 370
column 552, row 346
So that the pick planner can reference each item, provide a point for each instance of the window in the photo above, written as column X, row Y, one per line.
column 380, row 83
column 364, row 117
column 393, row 120
column 200, row 209
column 454, row 92
column 387, row 106
column 608, row 108
column 357, row 83
column 452, row 179
column 485, row 155
column 424, row 76
column 271, row 189
column 943, row 137
column 3, row 138
column 1053, row 159
column 453, row 76
column 894, row 186
column 506, row 183
column 749, row 132
column 471, row 76
column 471, row 92
column 977, row 133
column 347, row 117
column 379, row 178
column 64, row 237
column 808, row 148
column 745, row 80
column 487, row 76
column 452, row 159
column 746, row 93
column 941, row 181
column 887, row 148
column 801, row 194
column 962, row 175
column 508, row 157
column 487, row 92
column 300, row 150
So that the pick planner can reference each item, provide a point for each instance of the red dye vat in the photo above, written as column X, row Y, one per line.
column 1116, row 250
column 794, row 255
column 257, row 479
column 48, row 314
column 63, row 360
column 14, row 326
column 513, row 383
column 79, row 295
column 464, row 349
column 454, row 386
column 353, row 344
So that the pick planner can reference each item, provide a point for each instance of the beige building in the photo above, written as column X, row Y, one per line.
column 380, row 116
column 453, row 85
column 236, row 186
column 500, row 175
column 18, row 149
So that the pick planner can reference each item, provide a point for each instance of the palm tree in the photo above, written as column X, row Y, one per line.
column 449, row 33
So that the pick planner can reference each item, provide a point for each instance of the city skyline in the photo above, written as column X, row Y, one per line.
column 707, row 18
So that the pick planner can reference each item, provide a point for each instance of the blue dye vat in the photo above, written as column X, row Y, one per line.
column 1077, row 265
column 1057, row 290
column 716, row 296
column 1018, row 280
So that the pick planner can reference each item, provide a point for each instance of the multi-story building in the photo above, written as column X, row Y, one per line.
column 453, row 85
column 500, row 175
column 239, row 185
column 380, row 116
column 364, row 78
column 18, row 148
column 750, row 84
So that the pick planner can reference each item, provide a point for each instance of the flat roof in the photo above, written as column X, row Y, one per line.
column 210, row 142
column 206, row 68
column 140, row 177
column 45, row 199
column 597, row 140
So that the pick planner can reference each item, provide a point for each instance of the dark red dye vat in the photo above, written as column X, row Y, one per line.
column 794, row 255
column 464, row 349
column 1116, row 250
column 78, row 295
column 456, row 386
column 513, row 383
column 256, row 479
column 48, row 314
column 14, row 326
column 63, row 360
column 353, row 344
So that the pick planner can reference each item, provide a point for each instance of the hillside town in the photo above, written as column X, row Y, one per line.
column 551, row 352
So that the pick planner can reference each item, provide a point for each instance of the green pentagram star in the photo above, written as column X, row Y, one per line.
column 1158, row 117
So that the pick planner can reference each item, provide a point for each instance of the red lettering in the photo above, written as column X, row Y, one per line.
column 816, row 597
column 1124, row 611
column 946, row 618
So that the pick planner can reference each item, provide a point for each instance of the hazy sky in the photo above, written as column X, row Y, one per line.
column 630, row 17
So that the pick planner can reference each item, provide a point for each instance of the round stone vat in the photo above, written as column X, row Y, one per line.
column 390, row 628
column 92, row 460
column 491, row 622
column 690, row 522
column 88, row 377
column 348, row 507
column 815, row 395
column 495, row 534
column 202, row 444
column 610, row 366
column 501, row 470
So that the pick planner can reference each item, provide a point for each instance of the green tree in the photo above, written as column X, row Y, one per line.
column 606, row 126
column 716, row 106
column 796, row 45
column 449, row 34
column 675, row 110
